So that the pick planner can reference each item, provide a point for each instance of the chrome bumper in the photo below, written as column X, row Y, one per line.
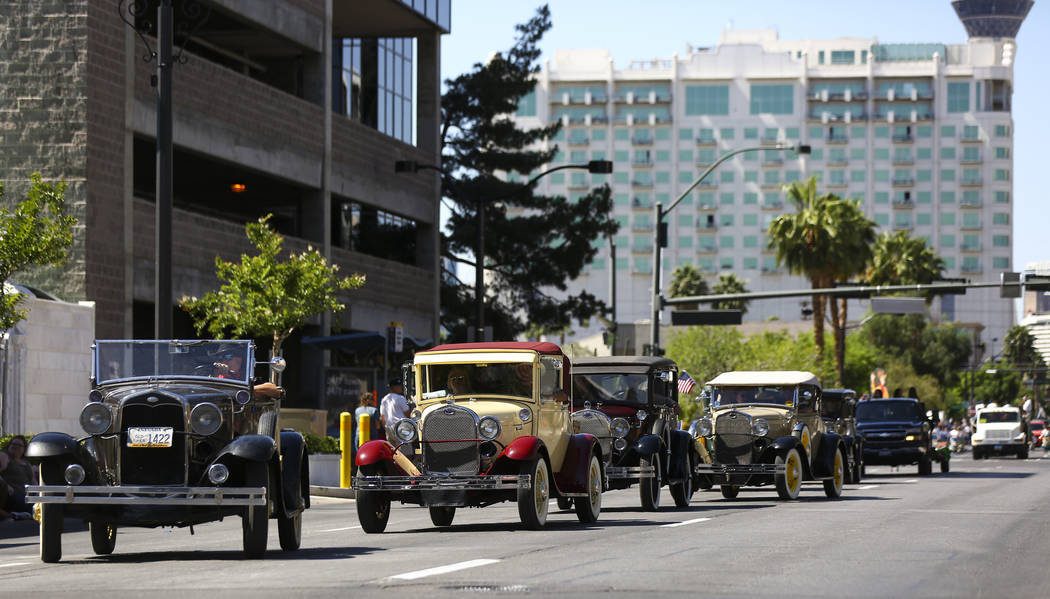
column 432, row 482
column 120, row 495
column 630, row 472
column 740, row 468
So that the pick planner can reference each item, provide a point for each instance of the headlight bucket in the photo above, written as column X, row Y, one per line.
column 619, row 428
column 701, row 428
column 760, row 427
column 405, row 430
column 488, row 428
column 95, row 418
column 205, row 418
column 525, row 415
column 75, row 474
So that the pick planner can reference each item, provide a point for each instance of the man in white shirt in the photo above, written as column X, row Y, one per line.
column 393, row 408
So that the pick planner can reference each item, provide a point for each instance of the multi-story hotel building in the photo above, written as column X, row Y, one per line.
column 920, row 134
column 298, row 108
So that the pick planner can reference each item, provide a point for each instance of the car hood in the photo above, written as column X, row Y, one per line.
column 184, row 391
column 999, row 426
column 779, row 419
column 506, row 411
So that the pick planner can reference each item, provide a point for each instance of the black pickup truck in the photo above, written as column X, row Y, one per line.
column 896, row 432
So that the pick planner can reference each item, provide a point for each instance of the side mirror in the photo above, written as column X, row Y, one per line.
column 667, row 376
column 278, row 364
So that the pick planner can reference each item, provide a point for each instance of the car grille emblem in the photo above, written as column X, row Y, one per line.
column 732, row 415
column 450, row 412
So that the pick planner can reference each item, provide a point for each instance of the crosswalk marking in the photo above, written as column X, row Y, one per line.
column 444, row 569
column 693, row 521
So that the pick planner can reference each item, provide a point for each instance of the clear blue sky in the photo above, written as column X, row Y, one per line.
column 656, row 28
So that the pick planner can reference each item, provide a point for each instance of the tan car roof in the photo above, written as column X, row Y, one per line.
column 765, row 377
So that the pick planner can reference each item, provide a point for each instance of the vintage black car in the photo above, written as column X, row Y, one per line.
column 896, row 432
column 630, row 404
column 178, row 433
column 765, row 428
column 838, row 408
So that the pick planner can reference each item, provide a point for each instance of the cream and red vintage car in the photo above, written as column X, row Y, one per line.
column 491, row 424
column 766, row 428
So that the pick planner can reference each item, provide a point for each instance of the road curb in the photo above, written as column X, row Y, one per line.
column 332, row 492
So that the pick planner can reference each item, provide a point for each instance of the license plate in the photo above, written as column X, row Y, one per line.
column 998, row 447
column 884, row 452
column 150, row 436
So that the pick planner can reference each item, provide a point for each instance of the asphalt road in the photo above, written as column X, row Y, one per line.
column 979, row 531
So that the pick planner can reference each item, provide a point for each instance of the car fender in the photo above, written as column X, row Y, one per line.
column 572, row 478
column 648, row 445
column 294, row 473
column 681, row 445
column 824, row 462
column 54, row 451
column 522, row 449
column 781, row 445
column 375, row 452
column 254, row 448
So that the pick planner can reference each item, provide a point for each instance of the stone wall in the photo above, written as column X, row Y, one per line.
column 56, row 340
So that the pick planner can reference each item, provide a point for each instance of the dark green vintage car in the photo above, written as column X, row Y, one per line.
column 765, row 428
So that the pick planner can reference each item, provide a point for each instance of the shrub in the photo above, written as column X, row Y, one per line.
column 321, row 443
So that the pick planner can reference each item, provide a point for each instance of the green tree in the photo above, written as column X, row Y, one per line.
column 935, row 350
column 827, row 238
column 687, row 281
column 1019, row 348
column 729, row 283
column 533, row 244
column 899, row 259
column 37, row 232
column 264, row 296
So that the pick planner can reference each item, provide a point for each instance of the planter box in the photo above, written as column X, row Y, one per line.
column 324, row 469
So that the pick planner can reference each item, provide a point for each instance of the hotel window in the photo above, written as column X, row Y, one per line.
column 1000, row 218
column 751, row 263
column 707, row 99
column 958, row 97
column 1001, row 241
column 948, row 241
column 1002, row 153
column 772, row 98
column 842, row 57
column 1000, row 262
column 527, row 104
column 1002, row 197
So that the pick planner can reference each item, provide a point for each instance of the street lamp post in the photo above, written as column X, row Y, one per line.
column 660, row 233
column 597, row 167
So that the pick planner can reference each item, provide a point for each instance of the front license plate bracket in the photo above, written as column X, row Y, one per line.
column 150, row 436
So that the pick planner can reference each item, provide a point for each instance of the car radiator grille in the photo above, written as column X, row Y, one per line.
column 998, row 435
column 153, row 465
column 442, row 455
column 733, row 438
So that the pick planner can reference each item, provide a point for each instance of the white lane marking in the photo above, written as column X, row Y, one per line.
column 912, row 480
column 339, row 529
column 474, row 563
column 693, row 521
column 866, row 487
column 13, row 564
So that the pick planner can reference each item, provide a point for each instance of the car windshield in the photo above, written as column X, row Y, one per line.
column 777, row 395
column 888, row 410
column 118, row 360
column 610, row 388
column 1037, row 426
column 998, row 417
column 460, row 380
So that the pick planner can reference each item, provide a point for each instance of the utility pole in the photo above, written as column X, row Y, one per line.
column 162, row 276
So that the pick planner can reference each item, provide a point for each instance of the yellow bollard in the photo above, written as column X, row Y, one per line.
column 364, row 429
column 346, row 445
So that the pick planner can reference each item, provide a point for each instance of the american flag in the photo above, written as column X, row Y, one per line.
column 685, row 383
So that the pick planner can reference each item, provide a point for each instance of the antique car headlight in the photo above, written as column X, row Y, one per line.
column 489, row 428
column 405, row 430
column 95, row 418
column 701, row 428
column 525, row 414
column 95, row 395
column 75, row 474
column 242, row 397
column 620, row 444
column 218, row 473
column 760, row 427
column 205, row 418
column 642, row 415
column 619, row 428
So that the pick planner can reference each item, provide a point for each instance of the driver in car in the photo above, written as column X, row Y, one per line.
column 229, row 364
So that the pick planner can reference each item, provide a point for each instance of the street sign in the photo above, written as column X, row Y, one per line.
column 395, row 336
column 708, row 317
column 1009, row 284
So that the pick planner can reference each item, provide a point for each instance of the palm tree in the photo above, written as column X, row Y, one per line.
column 899, row 259
column 827, row 238
column 687, row 281
column 729, row 283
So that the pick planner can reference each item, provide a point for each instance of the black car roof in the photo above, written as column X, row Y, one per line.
column 623, row 364
column 839, row 393
column 891, row 399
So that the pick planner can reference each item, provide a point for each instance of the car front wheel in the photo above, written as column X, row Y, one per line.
column 103, row 537
column 50, row 532
column 682, row 492
column 833, row 486
column 373, row 511
column 290, row 531
column 532, row 502
column 649, row 487
column 588, row 508
column 789, row 483
column 255, row 519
